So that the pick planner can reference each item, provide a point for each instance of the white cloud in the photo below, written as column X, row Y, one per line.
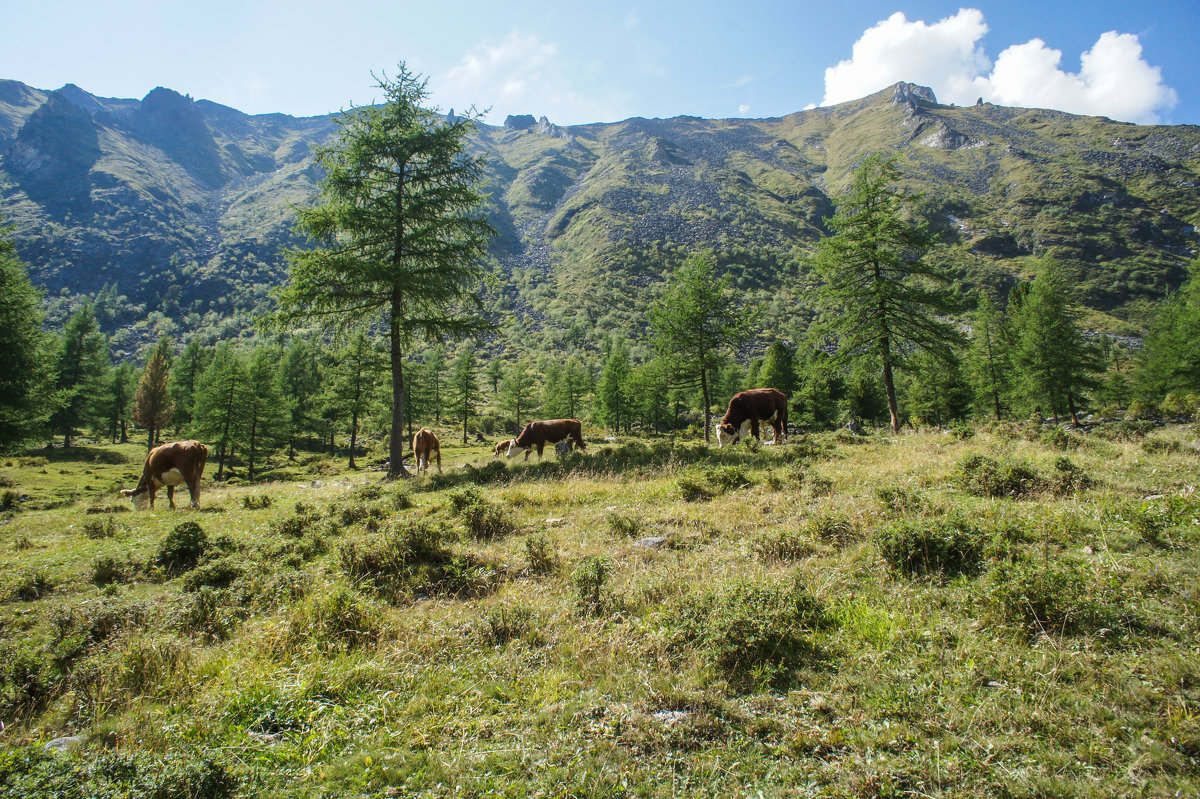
column 1114, row 80
column 632, row 20
column 896, row 49
column 743, row 109
column 517, row 75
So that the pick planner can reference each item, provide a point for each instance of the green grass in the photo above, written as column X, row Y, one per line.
column 817, row 619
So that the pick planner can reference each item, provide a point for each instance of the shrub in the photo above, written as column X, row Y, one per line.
column 691, row 488
column 914, row 547
column 504, row 623
column 623, row 525
column 409, row 555
column 831, row 526
column 751, row 633
column 340, row 620
column 97, row 528
column 107, row 569
column 296, row 526
column 783, row 544
column 29, row 586
column 256, row 501
column 985, row 477
column 1068, row 478
column 205, row 612
column 27, row 679
column 588, row 579
column 900, row 501
column 219, row 573
column 182, row 547
column 9, row 499
column 541, row 555
column 1057, row 438
column 34, row 771
column 1059, row 596
column 484, row 520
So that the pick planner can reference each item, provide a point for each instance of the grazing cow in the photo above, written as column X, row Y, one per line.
column 170, row 465
column 538, row 434
column 502, row 447
column 425, row 443
column 747, row 409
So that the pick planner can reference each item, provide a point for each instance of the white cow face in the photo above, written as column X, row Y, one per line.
column 140, row 501
column 514, row 450
column 726, row 434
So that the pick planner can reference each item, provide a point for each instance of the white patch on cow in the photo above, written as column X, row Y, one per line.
column 744, row 432
column 724, row 437
column 513, row 449
column 171, row 477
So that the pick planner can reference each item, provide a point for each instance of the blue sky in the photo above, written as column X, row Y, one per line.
column 1133, row 61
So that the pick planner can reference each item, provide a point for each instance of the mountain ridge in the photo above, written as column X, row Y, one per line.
column 185, row 206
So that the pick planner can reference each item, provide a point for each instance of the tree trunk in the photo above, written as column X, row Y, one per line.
column 150, row 440
column 889, row 385
column 396, row 445
column 353, row 437
column 250, row 465
column 707, row 404
column 1071, row 408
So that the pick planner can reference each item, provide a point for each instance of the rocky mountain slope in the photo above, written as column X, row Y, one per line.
column 184, row 206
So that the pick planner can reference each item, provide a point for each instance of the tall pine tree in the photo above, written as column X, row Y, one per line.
column 25, row 377
column 152, row 403
column 886, row 293
column 400, row 231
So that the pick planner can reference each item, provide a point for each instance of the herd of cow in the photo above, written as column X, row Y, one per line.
column 182, row 462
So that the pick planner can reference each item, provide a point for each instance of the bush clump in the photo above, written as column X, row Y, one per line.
column 541, row 554
column 1055, row 597
column 948, row 546
column 34, row 771
column 484, row 520
column 589, row 579
column 986, row 477
column 182, row 548
column 338, row 621
column 752, row 634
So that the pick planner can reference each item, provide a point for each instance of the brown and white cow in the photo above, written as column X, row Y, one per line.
column 551, row 431
column 425, row 443
column 170, row 465
column 502, row 447
column 747, row 409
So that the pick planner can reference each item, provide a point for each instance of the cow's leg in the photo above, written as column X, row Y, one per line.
column 171, row 496
column 541, row 445
column 151, row 491
column 439, row 459
column 754, row 431
column 194, row 492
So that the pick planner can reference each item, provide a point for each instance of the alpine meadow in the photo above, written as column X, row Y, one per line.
column 851, row 453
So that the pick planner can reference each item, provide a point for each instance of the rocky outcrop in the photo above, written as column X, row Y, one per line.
column 519, row 122
column 946, row 138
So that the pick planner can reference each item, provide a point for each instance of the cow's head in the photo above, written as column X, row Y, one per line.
column 514, row 450
column 140, row 499
column 727, row 434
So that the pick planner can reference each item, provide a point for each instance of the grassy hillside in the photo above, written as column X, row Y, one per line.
column 1012, row 613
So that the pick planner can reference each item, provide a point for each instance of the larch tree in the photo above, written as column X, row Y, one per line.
column 122, row 384
column 25, row 377
column 185, row 374
column 886, row 294
column 1170, row 359
column 989, row 361
column 352, row 381
column 263, row 414
column 152, row 403
column 1057, row 364
column 465, row 385
column 695, row 322
column 80, row 370
column 218, row 392
column 399, row 230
